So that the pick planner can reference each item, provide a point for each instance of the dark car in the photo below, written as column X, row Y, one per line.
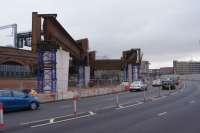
column 168, row 84
column 13, row 100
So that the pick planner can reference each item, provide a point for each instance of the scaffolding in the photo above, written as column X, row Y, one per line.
column 46, row 75
column 125, row 73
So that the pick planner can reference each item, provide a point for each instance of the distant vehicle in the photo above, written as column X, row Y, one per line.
column 176, row 79
column 138, row 85
column 157, row 83
column 168, row 84
column 13, row 100
column 125, row 83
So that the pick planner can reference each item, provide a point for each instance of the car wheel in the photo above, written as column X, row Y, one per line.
column 33, row 106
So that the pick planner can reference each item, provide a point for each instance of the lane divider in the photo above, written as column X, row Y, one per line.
column 63, row 120
column 128, row 106
column 59, row 119
column 163, row 113
column 48, row 119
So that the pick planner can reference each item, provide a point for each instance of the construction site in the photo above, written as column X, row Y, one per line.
column 50, row 61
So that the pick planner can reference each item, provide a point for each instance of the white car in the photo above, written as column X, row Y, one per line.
column 156, row 83
column 125, row 84
column 138, row 85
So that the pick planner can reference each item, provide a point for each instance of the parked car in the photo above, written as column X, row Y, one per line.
column 138, row 85
column 16, row 100
column 157, row 83
column 168, row 83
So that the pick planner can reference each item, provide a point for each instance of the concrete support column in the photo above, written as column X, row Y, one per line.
column 62, row 72
column 83, row 76
column 87, row 76
column 125, row 73
column 133, row 72
column 130, row 73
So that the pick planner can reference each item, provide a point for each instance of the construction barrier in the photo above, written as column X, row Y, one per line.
column 75, row 99
column 117, row 99
column 2, row 125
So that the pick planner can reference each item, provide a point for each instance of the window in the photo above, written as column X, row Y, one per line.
column 5, row 93
column 18, row 94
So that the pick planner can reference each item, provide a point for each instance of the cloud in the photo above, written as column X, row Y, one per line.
column 164, row 30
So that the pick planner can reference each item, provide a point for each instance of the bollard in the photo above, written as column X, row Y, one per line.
column 184, row 84
column 169, row 89
column 2, row 125
column 75, row 99
column 144, row 95
column 159, row 87
column 117, row 99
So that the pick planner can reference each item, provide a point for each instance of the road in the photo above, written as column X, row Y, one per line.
column 174, row 113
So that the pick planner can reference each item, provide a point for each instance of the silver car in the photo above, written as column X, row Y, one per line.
column 138, row 85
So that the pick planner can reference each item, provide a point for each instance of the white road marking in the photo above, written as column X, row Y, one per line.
column 163, row 113
column 137, row 101
column 51, row 120
column 45, row 124
column 92, row 113
column 191, row 102
column 154, row 98
column 174, row 93
column 132, row 105
column 130, row 102
column 151, row 98
column 48, row 119
column 157, row 99
column 163, row 96
column 120, row 106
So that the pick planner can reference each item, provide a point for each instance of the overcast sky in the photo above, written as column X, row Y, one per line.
column 163, row 29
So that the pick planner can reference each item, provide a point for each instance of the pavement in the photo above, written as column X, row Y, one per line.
column 174, row 113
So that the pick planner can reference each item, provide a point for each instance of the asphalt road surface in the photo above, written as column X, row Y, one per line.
column 178, row 112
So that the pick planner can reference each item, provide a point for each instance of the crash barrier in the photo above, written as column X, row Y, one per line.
column 98, row 91
column 116, row 92
column 81, row 93
column 2, row 125
column 95, row 82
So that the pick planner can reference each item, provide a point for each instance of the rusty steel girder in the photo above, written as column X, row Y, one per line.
column 132, row 56
column 45, row 27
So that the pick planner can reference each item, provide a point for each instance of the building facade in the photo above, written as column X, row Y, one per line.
column 144, row 69
column 166, row 70
column 186, row 67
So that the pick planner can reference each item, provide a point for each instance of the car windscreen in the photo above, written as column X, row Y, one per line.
column 137, row 82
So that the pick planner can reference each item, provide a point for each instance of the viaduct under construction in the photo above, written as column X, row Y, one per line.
column 55, row 55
